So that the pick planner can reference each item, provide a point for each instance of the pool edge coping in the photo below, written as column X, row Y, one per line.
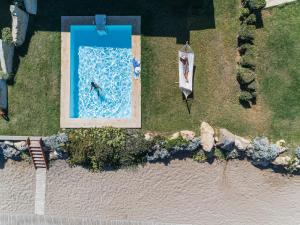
column 65, row 120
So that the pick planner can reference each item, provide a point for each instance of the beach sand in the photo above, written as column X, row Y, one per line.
column 181, row 192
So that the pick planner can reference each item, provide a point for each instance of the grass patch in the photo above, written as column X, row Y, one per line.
column 279, row 69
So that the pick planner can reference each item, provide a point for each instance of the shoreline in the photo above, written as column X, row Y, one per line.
column 183, row 191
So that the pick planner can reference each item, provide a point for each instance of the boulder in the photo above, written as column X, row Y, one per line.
column 281, row 145
column 149, row 136
column 6, row 56
column 21, row 145
column 55, row 142
column 19, row 24
column 8, row 151
column 281, row 161
column 185, row 134
column 31, row 6
column 207, row 137
column 226, row 140
column 241, row 143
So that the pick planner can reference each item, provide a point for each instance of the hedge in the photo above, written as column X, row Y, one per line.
column 246, row 33
column 245, row 76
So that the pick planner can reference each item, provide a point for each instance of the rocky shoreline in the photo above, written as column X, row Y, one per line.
column 212, row 144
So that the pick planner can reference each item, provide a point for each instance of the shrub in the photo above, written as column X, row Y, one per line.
column 179, row 142
column 106, row 148
column 297, row 152
column 19, row 3
column 251, row 19
column 248, row 60
column 219, row 155
column 246, row 33
column 4, row 76
column 200, row 157
column 246, row 97
column 6, row 35
column 244, row 12
column 246, row 47
column 245, row 76
column 262, row 152
column 252, row 86
column 292, row 164
column 256, row 4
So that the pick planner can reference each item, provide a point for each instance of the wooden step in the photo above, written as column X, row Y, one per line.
column 37, row 154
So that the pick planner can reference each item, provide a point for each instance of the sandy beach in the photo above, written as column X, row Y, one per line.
column 182, row 192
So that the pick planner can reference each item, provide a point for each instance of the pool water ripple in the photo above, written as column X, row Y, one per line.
column 110, row 68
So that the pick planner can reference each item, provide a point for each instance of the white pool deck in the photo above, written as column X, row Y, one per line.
column 65, row 120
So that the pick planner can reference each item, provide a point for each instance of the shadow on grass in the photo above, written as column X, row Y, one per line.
column 163, row 18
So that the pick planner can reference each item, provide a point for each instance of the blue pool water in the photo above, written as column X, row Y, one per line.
column 107, row 61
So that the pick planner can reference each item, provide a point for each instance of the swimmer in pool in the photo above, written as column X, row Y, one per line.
column 96, row 87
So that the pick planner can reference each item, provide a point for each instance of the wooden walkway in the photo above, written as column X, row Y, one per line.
column 52, row 220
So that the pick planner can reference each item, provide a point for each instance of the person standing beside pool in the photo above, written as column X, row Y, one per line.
column 96, row 87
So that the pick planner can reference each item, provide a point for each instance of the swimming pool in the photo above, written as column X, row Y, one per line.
column 105, row 60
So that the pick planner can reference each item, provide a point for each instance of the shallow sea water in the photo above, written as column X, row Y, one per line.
column 110, row 68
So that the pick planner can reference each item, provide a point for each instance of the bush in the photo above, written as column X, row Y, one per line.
column 6, row 35
column 262, row 152
column 245, row 76
column 244, row 12
column 176, row 142
column 251, row 19
column 219, row 155
column 256, row 4
column 248, row 60
column 245, row 47
column 246, row 97
column 200, row 157
column 246, row 33
column 252, row 86
column 4, row 76
column 297, row 152
column 19, row 3
column 106, row 148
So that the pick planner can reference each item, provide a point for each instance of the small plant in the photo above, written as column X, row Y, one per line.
column 246, row 33
column 256, row 4
column 19, row 3
column 4, row 76
column 292, row 164
column 251, row 19
column 246, row 47
column 200, row 157
column 245, row 76
column 244, row 12
column 248, row 60
column 219, row 155
column 246, row 97
column 179, row 141
column 6, row 35
column 297, row 152
column 252, row 86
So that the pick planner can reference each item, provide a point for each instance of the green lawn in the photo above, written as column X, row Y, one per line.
column 278, row 50
column 211, row 27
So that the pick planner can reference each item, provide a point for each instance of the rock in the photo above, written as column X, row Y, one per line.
column 21, row 145
column 226, row 140
column 297, row 152
column 8, row 151
column 207, row 136
column 55, row 142
column 19, row 24
column 149, row 136
column 241, row 143
column 261, row 152
column 281, row 145
column 53, row 155
column 187, row 134
column 281, row 161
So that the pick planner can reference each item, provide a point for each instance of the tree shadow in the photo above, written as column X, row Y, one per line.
column 163, row 18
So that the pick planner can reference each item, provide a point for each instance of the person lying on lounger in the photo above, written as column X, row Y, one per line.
column 185, row 62
column 96, row 87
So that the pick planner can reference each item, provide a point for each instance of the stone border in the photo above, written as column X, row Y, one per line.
column 65, row 120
